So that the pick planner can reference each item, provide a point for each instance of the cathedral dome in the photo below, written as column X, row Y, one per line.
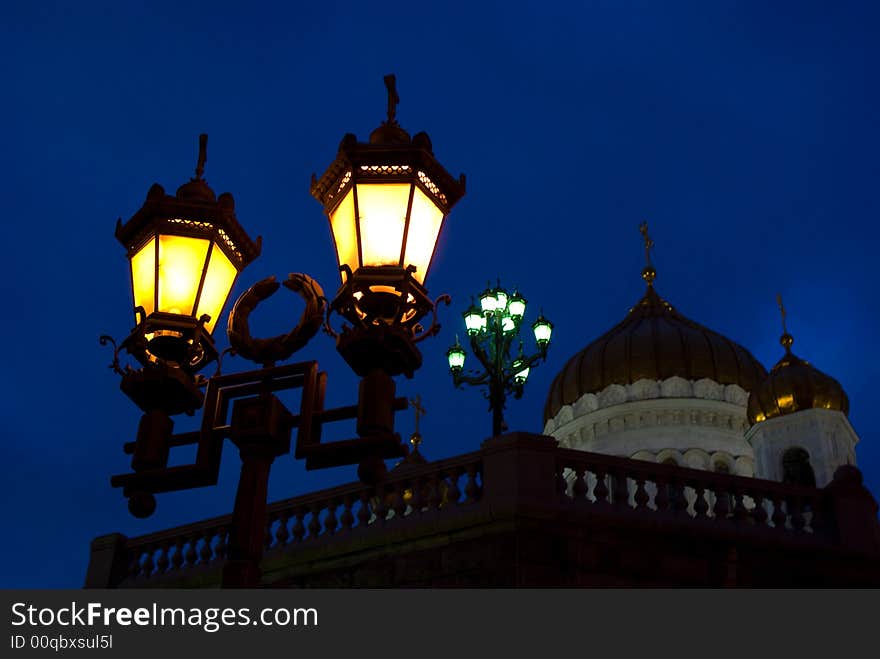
column 794, row 385
column 653, row 342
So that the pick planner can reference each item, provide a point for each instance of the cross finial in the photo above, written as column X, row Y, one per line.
column 786, row 339
column 416, row 403
column 648, row 272
column 393, row 98
column 203, row 156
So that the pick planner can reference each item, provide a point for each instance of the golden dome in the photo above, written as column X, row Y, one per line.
column 654, row 342
column 793, row 385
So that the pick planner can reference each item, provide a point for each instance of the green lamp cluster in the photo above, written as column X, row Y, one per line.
column 492, row 328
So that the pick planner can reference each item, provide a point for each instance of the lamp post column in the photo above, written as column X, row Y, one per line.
column 247, row 533
column 261, row 428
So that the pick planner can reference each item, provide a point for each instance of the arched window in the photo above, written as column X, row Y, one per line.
column 796, row 468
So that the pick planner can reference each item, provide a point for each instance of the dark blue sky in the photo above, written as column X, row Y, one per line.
column 747, row 136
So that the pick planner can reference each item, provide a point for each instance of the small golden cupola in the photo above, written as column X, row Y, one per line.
column 794, row 384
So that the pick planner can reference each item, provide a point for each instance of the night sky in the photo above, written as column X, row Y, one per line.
column 746, row 136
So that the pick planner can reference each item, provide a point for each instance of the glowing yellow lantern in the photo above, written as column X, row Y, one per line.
column 185, row 254
column 386, row 201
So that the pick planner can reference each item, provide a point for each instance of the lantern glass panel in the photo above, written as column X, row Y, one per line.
column 456, row 358
column 517, row 307
column 382, row 216
column 143, row 277
column 181, row 263
column 218, row 282
column 474, row 322
column 424, row 226
column 542, row 330
column 344, row 233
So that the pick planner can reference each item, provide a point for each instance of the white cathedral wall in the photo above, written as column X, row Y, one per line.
column 696, row 423
column 826, row 435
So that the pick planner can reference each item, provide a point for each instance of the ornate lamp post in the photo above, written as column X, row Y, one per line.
column 185, row 253
column 493, row 328
column 386, row 200
column 388, row 197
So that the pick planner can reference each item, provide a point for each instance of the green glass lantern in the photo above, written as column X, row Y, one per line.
column 455, row 355
column 516, row 307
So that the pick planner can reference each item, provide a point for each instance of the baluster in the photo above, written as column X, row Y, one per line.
column 641, row 496
column 282, row 535
column 722, row 502
column 739, row 507
column 347, row 517
column 434, row 498
column 162, row 563
column 818, row 517
column 661, row 497
column 206, row 553
column 147, row 565
column 299, row 529
column 600, row 492
column 363, row 514
column 561, row 482
column 315, row 521
column 471, row 490
column 418, row 495
column 579, row 488
column 330, row 521
column 453, row 494
column 398, row 505
column 701, row 506
column 220, row 547
column 190, row 555
column 134, row 568
column 267, row 532
column 620, row 489
column 177, row 556
column 679, row 501
column 759, row 513
column 778, row 513
column 797, row 519
column 380, row 505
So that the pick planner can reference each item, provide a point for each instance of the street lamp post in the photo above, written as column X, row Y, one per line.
column 493, row 329
column 386, row 201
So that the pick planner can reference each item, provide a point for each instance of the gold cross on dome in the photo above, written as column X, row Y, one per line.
column 782, row 311
column 786, row 339
column 649, row 274
column 420, row 411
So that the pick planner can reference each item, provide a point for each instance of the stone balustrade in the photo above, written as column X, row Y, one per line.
column 198, row 550
column 656, row 489
column 513, row 477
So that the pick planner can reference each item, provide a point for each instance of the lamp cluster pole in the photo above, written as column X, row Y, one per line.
column 493, row 329
column 386, row 201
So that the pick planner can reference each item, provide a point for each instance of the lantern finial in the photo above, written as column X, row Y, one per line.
column 393, row 98
column 203, row 156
